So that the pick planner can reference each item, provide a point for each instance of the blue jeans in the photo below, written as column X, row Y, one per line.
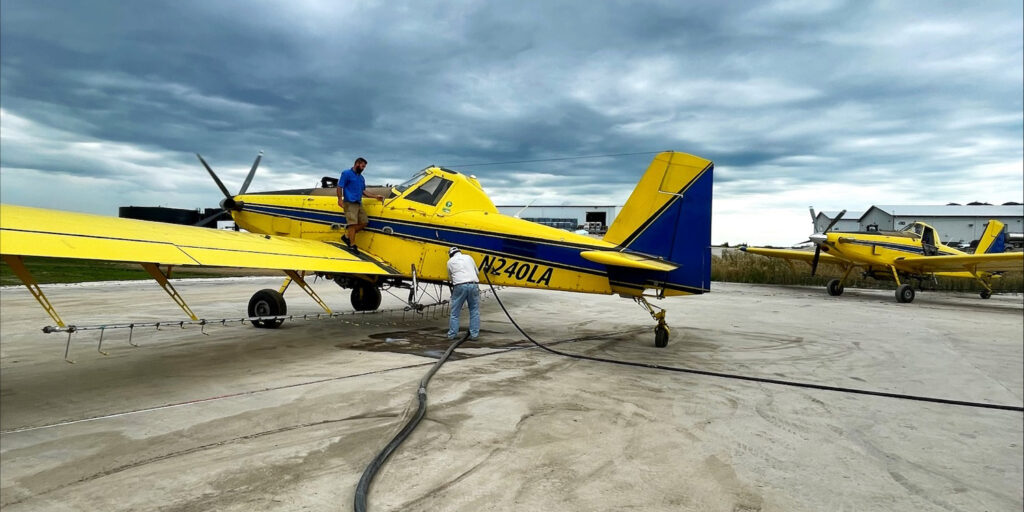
column 462, row 293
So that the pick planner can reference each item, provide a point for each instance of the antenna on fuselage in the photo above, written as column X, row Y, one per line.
column 523, row 209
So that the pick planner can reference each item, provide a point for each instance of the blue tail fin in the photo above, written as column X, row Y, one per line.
column 993, row 240
column 668, row 217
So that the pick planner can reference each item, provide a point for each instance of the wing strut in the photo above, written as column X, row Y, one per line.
column 298, row 279
column 166, row 285
column 18, row 266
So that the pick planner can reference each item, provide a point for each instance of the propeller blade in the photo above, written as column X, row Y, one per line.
column 834, row 221
column 814, row 216
column 215, row 178
column 252, row 172
column 814, row 262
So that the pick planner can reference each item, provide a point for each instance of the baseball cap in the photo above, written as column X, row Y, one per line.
column 453, row 250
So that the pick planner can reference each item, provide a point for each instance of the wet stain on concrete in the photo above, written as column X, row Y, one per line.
column 429, row 342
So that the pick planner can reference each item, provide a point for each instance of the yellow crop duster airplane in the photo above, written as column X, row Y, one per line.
column 914, row 252
column 659, row 245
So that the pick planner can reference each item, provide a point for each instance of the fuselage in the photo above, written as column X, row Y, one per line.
column 881, row 250
column 412, row 229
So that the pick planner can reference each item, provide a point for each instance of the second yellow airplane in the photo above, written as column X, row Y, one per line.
column 914, row 253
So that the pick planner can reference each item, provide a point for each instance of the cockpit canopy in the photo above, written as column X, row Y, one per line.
column 923, row 231
column 436, row 185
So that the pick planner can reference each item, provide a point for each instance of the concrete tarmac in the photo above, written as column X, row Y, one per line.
column 241, row 418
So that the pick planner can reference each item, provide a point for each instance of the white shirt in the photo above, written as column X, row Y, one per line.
column 462, row 269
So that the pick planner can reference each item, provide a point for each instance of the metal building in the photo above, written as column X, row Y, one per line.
column 956, row 224
column 174, row 215
column 849, row 222
column 594, row 219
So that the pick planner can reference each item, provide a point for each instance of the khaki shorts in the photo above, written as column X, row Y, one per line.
column 355, row 212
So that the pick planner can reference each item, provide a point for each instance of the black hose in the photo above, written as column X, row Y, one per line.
column 745, row 377
column 421, row 395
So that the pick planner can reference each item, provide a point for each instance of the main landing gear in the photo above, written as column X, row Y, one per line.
column 905, row 293
column 661, row 331
column 266, row 303
column 365, row 296
column 835, row 287
column 270, row 303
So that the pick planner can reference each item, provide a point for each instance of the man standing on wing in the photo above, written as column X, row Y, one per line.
column 351, row 191
column 463, row 276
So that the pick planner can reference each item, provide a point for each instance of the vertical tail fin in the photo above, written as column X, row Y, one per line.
column 668, row 216
column 993, row 240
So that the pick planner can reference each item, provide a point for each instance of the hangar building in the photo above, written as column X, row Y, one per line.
column 594, row 219
column 957, row 224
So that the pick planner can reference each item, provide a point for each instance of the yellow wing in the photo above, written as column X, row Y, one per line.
column 28, row 231
column 994, row 262
column 790, row 254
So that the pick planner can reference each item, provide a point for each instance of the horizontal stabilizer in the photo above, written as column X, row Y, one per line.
column 628, row 260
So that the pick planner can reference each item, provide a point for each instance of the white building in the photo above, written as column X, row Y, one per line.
column 956, row 224
column 595, row 219
column 849, row 222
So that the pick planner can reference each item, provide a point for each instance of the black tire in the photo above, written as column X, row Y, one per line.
column 985, row 294
column 905, row 294
column 834, row 288
column 661, row 336
column 365, row 297
column 267, row 302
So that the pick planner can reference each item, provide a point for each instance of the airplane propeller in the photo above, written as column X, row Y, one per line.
column 821, row 238
column 229, row 203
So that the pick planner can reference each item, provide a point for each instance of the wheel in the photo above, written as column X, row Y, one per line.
column 905, row 293
column 834, row 287
column 365, row 297
column 267, row 302
column 985, row 294
column 661, row 336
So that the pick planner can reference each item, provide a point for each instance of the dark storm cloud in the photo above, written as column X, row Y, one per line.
column 783, row 96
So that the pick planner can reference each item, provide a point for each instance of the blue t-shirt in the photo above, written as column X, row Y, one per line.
column 353, row 184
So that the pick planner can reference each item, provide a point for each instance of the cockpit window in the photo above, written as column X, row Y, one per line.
column 411, row 181
column 914, row 229
column 430, row 192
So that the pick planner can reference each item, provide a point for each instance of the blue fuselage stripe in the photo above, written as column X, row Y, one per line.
column 534, row 250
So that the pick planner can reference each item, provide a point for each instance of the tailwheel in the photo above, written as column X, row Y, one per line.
column 267, row 302
column 986, row 294
column 365, row 296
column 661, row 330
column 661, row 336
column 835, row 287
column 905, row 293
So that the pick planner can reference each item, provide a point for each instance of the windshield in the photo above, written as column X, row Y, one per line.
column 411, row 181
column 430, row 192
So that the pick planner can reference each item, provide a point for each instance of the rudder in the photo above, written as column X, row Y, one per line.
column 668, row 216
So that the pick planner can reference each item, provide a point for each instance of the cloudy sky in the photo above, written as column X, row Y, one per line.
column 828, row 103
